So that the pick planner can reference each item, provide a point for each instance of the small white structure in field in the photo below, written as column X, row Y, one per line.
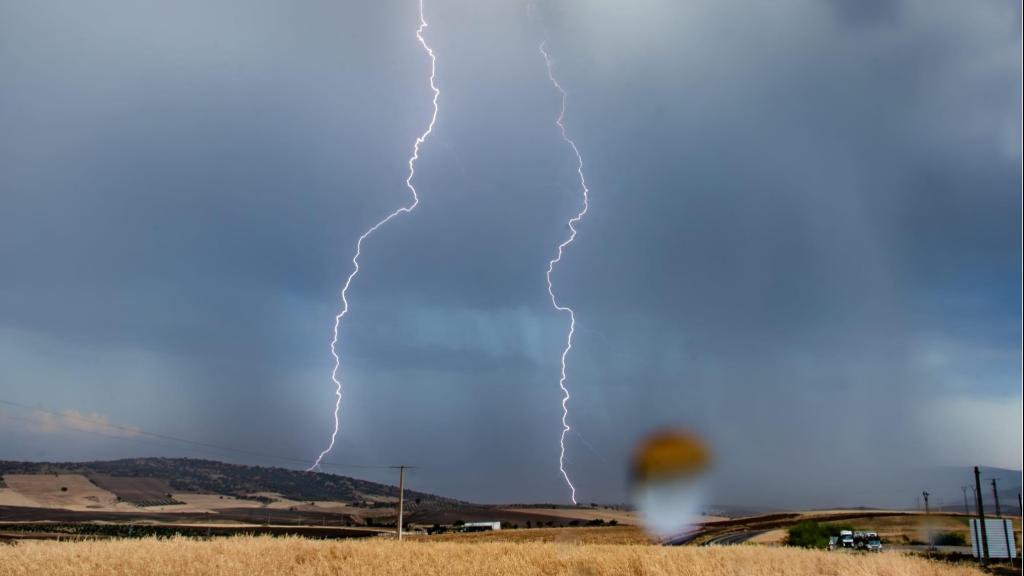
column 481, row 526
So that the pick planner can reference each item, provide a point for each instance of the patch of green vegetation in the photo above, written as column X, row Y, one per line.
column 810, row 534
column 950, row 539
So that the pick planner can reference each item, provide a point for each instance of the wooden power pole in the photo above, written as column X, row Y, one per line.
column 983, row 549
column 995, row 496
column 401, row 498
column 999, row 514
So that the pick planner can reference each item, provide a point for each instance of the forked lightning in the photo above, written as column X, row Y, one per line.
column 558, row 258
column 359, row 244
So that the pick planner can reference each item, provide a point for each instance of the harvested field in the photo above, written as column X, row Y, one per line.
column 69, row 491
column 912, row 529
column 917, row 528
column 9, row 497
column 138, row 491
column 583, row 514
column 770, row 538
column 587, row 535
column 294, row 556
column 474, row 513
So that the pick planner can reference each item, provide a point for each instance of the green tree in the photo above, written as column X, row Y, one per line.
column 810, row 534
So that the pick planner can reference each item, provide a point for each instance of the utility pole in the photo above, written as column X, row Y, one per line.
column 995, row 495
column 931, row 540
column 999, row 514
column 967, row 509
column 401, row 498
column 981, row 515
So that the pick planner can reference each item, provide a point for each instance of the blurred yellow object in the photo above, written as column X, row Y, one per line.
column 668, row 455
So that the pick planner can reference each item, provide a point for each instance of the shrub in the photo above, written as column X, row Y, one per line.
column 810, row 534
column 950, row 539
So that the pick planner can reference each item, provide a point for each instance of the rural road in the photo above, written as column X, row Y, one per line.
column 733, row 538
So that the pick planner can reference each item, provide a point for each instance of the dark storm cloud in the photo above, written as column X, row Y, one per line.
column 804, row 220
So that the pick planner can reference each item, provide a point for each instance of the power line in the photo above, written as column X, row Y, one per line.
column 131, row 430
column 67, row 426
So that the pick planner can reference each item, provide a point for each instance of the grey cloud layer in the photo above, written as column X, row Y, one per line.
column 796, row 209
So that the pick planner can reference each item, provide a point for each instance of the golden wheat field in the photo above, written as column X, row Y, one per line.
column 295, row 556
column 572, row 535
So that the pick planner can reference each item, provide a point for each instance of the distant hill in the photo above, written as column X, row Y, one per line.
column 186, row 490
column 209, row 476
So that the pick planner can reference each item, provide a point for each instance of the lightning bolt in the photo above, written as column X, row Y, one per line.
column 359, row 244
column 551, row 267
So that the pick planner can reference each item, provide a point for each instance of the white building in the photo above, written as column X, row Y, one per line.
column 481, row 526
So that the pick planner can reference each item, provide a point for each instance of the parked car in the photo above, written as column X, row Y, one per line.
column 866, row 540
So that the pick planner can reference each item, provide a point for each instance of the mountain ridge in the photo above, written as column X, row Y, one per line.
column 216, row 477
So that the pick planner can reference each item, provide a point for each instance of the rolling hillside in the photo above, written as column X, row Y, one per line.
column 178, row 490
column 154, row 478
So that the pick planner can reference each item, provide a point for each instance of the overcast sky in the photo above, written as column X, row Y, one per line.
column 803, row 241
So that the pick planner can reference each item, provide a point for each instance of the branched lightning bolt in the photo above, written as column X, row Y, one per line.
column 551, row 267
column 359, row 244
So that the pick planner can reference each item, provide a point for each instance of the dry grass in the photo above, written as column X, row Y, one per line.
column 910, row 529
column 10, row 497
column 582, row 535
column 70, row 491
column 293, row 556
column 770, row 538
column 620, row 516
column 916, row 528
